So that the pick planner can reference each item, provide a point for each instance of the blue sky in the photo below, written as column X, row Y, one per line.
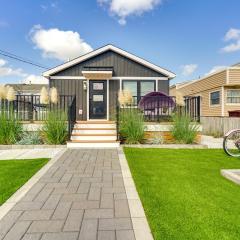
column 187, row 37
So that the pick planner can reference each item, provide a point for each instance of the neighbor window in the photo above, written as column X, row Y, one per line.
column 215, row 98
column 233, row 96
column 139, row 88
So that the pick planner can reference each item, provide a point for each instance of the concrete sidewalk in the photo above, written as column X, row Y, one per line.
column 28, row 153
column 212, row 142
column 82, row 196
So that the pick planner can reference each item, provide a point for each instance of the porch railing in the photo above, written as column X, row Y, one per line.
column 71, row 116
column 30, row 108
column 160, row 109
column 155, row 109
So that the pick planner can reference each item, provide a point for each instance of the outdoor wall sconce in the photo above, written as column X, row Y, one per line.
column 85, row 85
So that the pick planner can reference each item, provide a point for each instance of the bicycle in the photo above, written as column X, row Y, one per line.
column 231, row 143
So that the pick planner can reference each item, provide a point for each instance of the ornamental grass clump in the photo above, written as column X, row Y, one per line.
column 131, row 126
column 183, row 130
column 125, row 97
column 55, row 127
column 10, row 128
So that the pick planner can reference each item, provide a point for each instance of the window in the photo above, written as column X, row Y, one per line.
column 139, row 88
column 215, row 98
column 147, row 87
column 233, row 96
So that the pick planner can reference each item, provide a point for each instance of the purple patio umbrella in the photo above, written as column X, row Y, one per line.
column 156, row 100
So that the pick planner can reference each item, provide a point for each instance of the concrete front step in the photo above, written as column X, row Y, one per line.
column 93, row 144
column 94, row 137
column 95, row 125
column 95, row 131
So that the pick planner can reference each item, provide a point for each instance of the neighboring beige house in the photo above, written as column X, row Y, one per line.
column 219, row 92
column 27, row 89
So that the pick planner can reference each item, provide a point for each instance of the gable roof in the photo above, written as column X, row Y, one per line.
column 98, row 51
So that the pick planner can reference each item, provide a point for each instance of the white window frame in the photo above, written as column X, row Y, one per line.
column 210, row 103
column 232, row 89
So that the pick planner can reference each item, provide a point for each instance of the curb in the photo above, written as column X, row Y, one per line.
column 7, row 147
column 141, row 228
column 171, row 146
column 232, row 175
column 20, row 193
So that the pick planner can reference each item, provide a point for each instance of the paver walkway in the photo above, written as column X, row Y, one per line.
column 82, row 196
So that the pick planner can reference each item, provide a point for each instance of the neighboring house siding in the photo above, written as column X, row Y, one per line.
column 73, row 87
column 172, row 91
column 206, row 108
column 113, row 98
column 230, row 106
column 210, row 83
column 163, row 86
column 234, row 76
column 122, row 66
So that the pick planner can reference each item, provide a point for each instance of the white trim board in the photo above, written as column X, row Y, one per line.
column 104, row 49
column 112, row 78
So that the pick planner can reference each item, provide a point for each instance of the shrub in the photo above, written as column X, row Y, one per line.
column 183, row 130
column 30, row 138
column 55, row 127
column 131, row 125
column 10, row 128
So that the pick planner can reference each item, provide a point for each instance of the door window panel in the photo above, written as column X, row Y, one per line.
column 98, row 98
column 97, row 86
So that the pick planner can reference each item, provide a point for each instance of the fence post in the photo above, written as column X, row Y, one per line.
column 31, row 108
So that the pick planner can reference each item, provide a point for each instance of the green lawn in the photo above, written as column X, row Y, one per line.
column 14, row 173
column 184, row 195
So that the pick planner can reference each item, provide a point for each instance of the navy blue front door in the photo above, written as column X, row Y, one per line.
column 97, row 99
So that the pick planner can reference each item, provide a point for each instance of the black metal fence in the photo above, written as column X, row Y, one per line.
column 192, row 107
column 71, row 116
column 30, row 108
column 154, row 109
column 162, row 108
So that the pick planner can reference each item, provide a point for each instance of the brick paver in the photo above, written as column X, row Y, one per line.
column 81, row 197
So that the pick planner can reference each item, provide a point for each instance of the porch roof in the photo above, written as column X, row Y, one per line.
column 97, row 74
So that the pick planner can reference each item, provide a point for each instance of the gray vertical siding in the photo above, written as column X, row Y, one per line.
column 163, row 86
column 114, row 86
column 122, row 66
column 73, row 87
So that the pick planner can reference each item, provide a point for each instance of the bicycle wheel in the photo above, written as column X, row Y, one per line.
column 231, row 143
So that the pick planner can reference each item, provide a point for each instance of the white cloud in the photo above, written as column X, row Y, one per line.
column 58, row 44
column 6, row 70
column 215, row 69
column 233, row 47
column 34, row 79
column 232, row 34
column 124, row 8
column 189, row 69
column 51, row 5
